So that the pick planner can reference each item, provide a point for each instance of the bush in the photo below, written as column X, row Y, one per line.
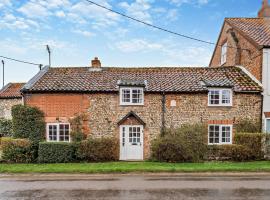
column 248, row 126
column 28, row 122
column 187, row 144
column 235, row 152
column 98, row 149
column 254, row 141
column 17, row 150
column 56, row 152
column 5, row 127
column 77, row 136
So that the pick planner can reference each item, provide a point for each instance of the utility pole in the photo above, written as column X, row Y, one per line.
column 3, row 63
column 49, row 52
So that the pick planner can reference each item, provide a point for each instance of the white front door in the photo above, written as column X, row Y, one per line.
column 131, row 142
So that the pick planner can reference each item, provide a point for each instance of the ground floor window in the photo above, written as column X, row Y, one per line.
column 219, row 134
column 267, row 125
column 58, row 132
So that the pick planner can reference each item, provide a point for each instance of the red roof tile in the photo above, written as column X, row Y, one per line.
column 11, row 90
column 165, row 79
column 257, row 29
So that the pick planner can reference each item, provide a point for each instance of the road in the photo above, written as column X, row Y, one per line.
column 229, row 186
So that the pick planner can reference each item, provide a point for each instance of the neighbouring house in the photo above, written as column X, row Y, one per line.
column 10, row 95
column 246, row 42
column 136, row 104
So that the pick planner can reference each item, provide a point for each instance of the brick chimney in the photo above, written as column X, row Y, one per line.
column 265, row 10
column 96, row 63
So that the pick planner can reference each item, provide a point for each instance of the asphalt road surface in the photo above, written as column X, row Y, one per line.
column 136, row 186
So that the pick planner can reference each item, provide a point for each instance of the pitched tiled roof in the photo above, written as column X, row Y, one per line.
column 258, row 29
column 165, row 79
column 11, row 90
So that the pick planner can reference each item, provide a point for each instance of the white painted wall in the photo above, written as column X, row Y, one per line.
column 266, row 81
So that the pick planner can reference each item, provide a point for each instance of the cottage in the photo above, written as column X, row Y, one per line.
column 10, row 95
column 135, row 104
column 246, row 42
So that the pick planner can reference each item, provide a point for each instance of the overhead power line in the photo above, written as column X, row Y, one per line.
column 21, row 61
column 158, row 27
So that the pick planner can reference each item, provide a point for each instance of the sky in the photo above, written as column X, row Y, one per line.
column 78, row 31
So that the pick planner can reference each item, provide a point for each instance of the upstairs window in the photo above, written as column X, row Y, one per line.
column 58, row 132
column 131, row 96
column 220, row 97
column 224, row 49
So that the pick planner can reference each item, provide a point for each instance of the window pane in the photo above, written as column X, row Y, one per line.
column 226, row 96
column 136, row 96
column 52, row 133
column 213, row 134
column 226, row 134
column 214, row 97
column 268, row 125
column 63, row 132
column 126, row 95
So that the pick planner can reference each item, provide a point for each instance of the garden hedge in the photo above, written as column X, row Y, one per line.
column 17, row 150
column 56, row 152
column 254, row 141
column 28, row 122
column 6, row 127
column 186, row 144
column 98, row 149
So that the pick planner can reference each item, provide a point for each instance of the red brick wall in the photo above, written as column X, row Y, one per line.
column 251, row 60
column 60, row 107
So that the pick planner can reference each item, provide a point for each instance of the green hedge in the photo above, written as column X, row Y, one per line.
column 17, row 150
column 186, row 144
column 254, row 141
column 6, row 127
column 56, row 152
column 98, row 149
column 28, row 122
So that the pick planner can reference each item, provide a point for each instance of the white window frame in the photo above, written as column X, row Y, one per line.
column 220, row 97
column 265, row 127
column 220, row 134
column 224, row 50
column 131, row 89
column 58, row 131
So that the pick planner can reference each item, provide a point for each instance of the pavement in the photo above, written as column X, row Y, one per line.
column 199, row 186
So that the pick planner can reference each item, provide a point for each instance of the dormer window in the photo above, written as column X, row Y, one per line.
column 224, row 49
column 220, row 97
column 131, row 96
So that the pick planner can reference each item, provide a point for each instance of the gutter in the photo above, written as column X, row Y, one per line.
column 163, row 113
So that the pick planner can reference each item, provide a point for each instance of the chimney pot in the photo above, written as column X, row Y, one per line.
column 265, row 10
column 96, row 63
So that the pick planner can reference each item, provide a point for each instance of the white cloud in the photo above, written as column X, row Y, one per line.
column 139, row 9
column 196, row 2
column 172, row 53
column 34, row 10
column 84, row 33
column 137, row 45
column 60, row 13
column 4, row 3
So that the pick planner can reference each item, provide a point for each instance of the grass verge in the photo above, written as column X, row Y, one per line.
column 127, row 167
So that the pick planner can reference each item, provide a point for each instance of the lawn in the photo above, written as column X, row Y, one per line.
column 139, row 167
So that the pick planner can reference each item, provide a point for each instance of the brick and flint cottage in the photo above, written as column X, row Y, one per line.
column 10, row 95
column 246, row 42
column 135, row 104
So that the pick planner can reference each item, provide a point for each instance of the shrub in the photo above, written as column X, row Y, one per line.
column 56, row 152
column 254, row 141
column 28, row 122
column 5, row 127
column 76, row 123
column 17, row 151
column 186, row 144
column 248, row 126
column 98, row 149
column 235, row 152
